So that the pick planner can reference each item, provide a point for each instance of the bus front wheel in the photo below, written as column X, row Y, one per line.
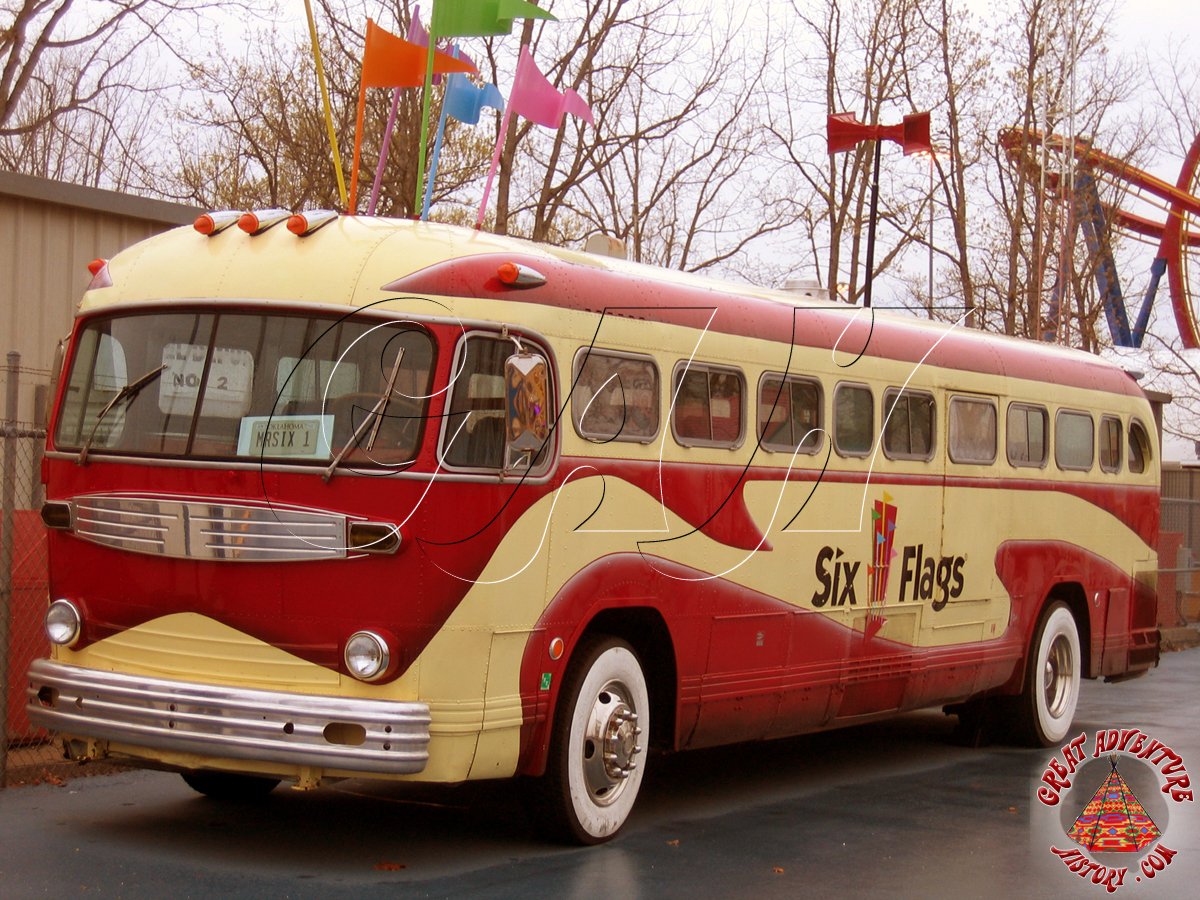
column 1047, row 704
column 597, row 756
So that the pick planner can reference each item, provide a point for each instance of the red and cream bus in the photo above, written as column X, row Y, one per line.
column 352, row 497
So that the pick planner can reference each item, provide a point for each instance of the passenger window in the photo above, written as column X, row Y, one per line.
column 1026, row 434
column 853, row 419
column 615, row 397
column 473, row 430
column 1074, row 440
column 972, row 430
column 708, row 406
column 1110, row 444
column 908, row 424
column 1139, row 448
column 789, row 414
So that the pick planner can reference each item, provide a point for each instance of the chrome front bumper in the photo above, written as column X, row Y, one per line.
column 342, row 733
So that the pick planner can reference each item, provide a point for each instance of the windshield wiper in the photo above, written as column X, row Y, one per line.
column 374, row 416
column 128, row 392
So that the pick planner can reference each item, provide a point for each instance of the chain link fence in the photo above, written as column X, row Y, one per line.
column 26, row 753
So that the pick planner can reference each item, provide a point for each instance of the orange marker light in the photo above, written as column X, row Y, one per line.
column 515, row 275
column 248, row 223
column 212, row 223
column 100, row 277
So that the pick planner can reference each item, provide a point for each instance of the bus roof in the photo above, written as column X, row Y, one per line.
column 357, row 261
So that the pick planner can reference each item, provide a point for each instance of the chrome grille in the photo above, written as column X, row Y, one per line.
column 200, row 529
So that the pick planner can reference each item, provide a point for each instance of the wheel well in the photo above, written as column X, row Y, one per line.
column 645, row 631
column 1071, row 593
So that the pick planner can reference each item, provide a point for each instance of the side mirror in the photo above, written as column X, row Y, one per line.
column 527, row 421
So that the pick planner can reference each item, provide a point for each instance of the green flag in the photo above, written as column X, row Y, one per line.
column 469, row 18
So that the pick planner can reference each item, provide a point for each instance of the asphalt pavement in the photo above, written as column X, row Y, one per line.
column 893, row 809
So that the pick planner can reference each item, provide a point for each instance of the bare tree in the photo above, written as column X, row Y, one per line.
column 859, row 66
column 1062, row 79
column 73, row 78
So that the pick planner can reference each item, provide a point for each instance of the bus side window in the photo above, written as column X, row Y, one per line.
column 708, row 406
column 1025, row 437
column 908, row 428
column 853, row 419
column 1139, row 447
column 473, row 433
column 1110, row 444
column 972, row 430
column 789, row 414
column 616, row 397
column 1074, row 440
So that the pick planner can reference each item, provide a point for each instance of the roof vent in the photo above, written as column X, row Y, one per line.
column 806, row 287
column 605, row 245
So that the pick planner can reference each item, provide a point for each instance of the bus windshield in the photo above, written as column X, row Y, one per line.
column 248, row 386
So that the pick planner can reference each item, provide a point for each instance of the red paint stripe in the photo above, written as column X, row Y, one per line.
column 592, row 289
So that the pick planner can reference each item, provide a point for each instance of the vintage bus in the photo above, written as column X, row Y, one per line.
column 341, row 497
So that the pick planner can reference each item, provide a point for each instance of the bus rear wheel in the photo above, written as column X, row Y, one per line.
column 597, row 756
column 1044, row 711
column 229, row 785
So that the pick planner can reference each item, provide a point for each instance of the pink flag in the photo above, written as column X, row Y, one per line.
column 535, row 98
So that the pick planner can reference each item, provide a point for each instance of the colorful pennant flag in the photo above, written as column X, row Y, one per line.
column 463, row 101
column 480, row 18
column 419, row 36
column 535, row 98
column 468, row 18
column 390, row 61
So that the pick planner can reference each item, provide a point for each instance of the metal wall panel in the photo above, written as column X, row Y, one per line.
column 49, row 232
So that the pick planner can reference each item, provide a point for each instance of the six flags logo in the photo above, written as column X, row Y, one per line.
column 883, row 516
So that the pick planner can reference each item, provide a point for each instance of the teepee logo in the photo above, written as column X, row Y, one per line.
column 1114, row 821
column 1117, row 834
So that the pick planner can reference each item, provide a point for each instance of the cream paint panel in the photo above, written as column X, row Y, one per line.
column 192, row 647
column 518, row 596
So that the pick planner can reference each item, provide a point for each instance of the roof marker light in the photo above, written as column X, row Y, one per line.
column 515, row 275
column 260, row 221
column 309, row 221
column 100, row 277
column 211, row 223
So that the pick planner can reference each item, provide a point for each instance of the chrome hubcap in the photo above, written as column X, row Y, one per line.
column 1056, row 680
column 610, row 745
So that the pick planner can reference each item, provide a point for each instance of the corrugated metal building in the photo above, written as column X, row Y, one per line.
column 49, row 232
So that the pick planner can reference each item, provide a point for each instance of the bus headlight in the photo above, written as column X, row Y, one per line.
column 366, row 655
column 62, row 623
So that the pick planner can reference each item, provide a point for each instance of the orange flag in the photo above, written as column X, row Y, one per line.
column 390, row 61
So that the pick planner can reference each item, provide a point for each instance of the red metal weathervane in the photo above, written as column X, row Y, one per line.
column 845, row 132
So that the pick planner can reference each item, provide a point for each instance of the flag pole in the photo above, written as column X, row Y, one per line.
column 337, row 159
column 425, row 94
column 487, row 188
column 437, row 152
column 383, row 151
column 358, row 126
column 871, row 226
